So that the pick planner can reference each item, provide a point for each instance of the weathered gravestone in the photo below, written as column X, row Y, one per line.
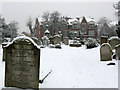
column 57, row 39
column 103, row 40
column 113, row 41
column 105, row 52
column 118, row 52
column 66, row 40
column 22, row 63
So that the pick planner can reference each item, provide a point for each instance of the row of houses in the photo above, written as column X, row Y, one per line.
column 76, row 27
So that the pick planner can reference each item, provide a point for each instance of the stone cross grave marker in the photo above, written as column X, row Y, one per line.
column 118, row 52
column 105, row 52
column 22, row 63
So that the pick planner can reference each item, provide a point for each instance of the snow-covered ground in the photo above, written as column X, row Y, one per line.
column 77, row 68
column 73, row 68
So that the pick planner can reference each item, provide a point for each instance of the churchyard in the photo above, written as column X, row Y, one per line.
column 26, row 64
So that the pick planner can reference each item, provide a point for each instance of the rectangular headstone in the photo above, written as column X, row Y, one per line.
column 105, row 52
column 66, row 40
column 22, row 64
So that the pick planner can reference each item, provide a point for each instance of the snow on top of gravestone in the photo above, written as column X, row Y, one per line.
column 114, row 37
column 57, row 35
column 117, row 45
column 47, row 31
column 25, row 38
column 45, row 37
column 106, row 44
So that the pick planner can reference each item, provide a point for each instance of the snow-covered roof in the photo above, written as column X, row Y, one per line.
column 47, row 31
column 25, row 38
column 106, row 44
column 114, row 22
column 70, row 21
column 90, row 19
column 114, row 37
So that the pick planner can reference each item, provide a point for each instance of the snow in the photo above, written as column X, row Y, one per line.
column 114, row 37
column 114, row 22
column 25, row 38
column 70, row 21
column 47, row 31
column 73, row 67
column 117, row 45
column 106, row 44
column 90, row 20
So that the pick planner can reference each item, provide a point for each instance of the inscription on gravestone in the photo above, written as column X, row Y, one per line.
column 22, row 64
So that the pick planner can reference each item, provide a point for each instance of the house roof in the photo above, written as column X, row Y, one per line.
column 70, row 21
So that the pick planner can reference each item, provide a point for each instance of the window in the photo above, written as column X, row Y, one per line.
column 91, row 33
column 75, row 26
column 91, row 26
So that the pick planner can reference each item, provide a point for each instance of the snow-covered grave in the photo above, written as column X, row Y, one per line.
column 73, row 67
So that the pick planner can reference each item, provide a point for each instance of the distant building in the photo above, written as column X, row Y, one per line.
column 78, row 27
column 82, row 28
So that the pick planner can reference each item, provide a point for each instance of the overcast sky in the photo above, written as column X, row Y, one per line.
column 20, row 11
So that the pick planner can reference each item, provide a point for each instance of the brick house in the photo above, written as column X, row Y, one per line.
column 82, row 28
column 78, row 27
column 38, row 31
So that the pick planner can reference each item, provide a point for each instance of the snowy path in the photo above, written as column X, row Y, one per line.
column 77, row 68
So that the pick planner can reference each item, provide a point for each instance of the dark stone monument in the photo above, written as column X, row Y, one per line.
column 118, row 52
column 105, row 52
column 22, row 63
column 103, row 39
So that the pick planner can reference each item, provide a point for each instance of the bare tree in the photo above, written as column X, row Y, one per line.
column 117, row 7
column 29, row 24
column 13, row 27
column 103, row 26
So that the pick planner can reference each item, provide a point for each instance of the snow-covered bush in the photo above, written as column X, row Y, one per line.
column 91, row 43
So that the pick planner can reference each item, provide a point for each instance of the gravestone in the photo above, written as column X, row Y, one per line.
column 105, row 52
column 118, row 52
column 66, row 40
column 38, row 42
column 113, row 41
column 57, row 39
column 45, row 41
column 103, row 40
column 22, row 63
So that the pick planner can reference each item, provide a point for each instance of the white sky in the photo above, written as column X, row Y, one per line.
column 20, row 11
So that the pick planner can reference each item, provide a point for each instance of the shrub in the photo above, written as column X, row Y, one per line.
column 91, row 43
